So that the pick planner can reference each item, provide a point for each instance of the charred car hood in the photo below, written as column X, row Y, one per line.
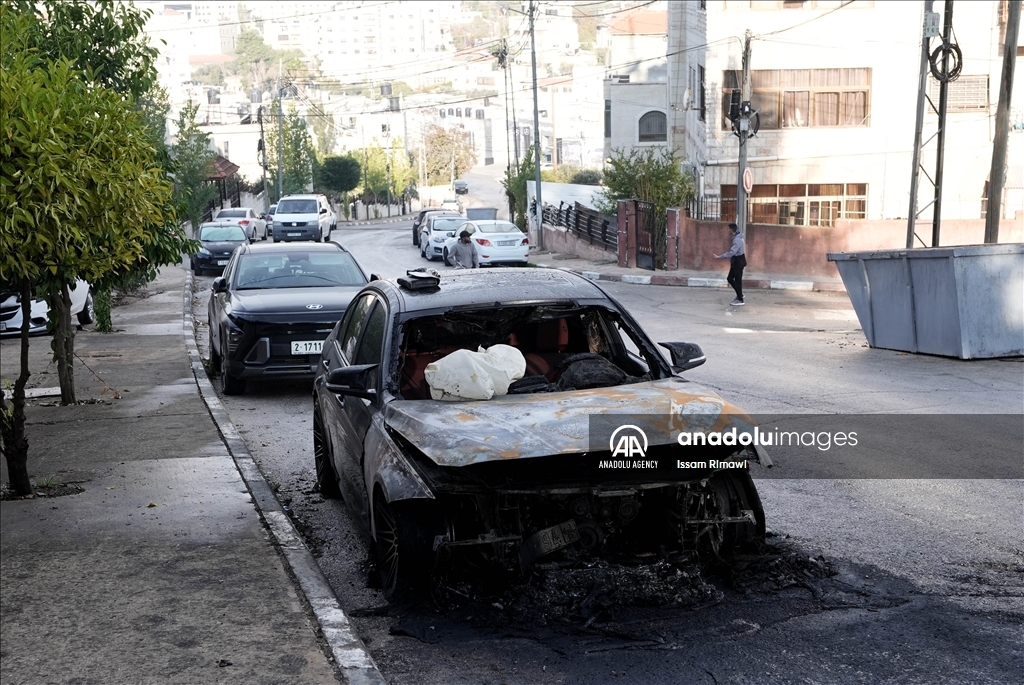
column 545, row 424
column 291, row 304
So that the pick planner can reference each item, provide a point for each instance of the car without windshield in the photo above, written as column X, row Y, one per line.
column 495, row 242
column 271, row 310
column 436, row 231
column 217, row 241
column 254, row 225
column 436, row 480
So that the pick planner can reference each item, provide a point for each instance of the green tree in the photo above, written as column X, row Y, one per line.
column 375, row 173
column 403, row 174
column 338, row 176
column 325, row 134
column 448, row 154
column 80, row 193
column 298, row 151
column 210, row 74
column 515, row 183
column 191, row 161
column 651, row 175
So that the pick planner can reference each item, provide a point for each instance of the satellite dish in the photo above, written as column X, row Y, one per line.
column 687, row 98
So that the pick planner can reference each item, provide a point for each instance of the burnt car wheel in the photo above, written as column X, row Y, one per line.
column 230, row 385
column 404, row 545
column 734, row 496
column 326, row 478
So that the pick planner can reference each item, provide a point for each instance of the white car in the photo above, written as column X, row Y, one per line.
column 303, row 217
column 452, row 205
column 436, row 230
column 248, row 218
column 495, row 242
column 10, row 311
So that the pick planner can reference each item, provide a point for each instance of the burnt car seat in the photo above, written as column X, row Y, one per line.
column 549, row 348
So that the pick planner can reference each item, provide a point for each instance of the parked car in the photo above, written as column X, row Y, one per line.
column 436, row 230
column 271, row 310
column 254, row 225
column 453, row 205
column 495, row 242
column 513, row 479
column 418, row 221
column 10, row 310
column 461, row 187
column 218, row 239
column 303, row 217
column 270, row 220
column 430, row 214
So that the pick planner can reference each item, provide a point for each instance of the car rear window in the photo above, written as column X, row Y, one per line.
column 210, row 233
column 446, row 224
column 231, row 213
column 297, row 207
column 297, row 270
column 498, row 227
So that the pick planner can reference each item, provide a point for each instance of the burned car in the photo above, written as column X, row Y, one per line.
column 517, row 479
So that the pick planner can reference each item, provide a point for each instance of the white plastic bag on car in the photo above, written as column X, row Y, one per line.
column 480, row 375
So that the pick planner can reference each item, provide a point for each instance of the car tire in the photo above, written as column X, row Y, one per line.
column 214, row 357
column 447, row 260
column 230, row 385
column 88, row 313
column 415, row 238
column 326, row 477
column 403, row 544
column 423, row 249
column 735, row 493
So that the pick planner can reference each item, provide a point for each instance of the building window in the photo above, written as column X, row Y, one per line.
column 804, row 98
column 653, row 128
column 607, row 118
column 702, row 93
column 800, row 204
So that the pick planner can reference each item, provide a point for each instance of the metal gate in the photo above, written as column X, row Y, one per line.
column 645, row 218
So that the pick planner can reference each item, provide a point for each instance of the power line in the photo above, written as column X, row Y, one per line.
column 288, row 16
column 820, row 16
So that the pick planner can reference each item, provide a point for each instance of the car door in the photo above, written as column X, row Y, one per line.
column 343, row 415
column 218, row 306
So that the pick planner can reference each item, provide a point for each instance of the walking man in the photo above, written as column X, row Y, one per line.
column 737, row 255
column 464, row 254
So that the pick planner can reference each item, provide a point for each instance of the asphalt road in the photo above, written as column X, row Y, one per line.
column 870, row 581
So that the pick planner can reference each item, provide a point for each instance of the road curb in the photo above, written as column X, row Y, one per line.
column 351, row 656
column 702, row 282
column 367, row 222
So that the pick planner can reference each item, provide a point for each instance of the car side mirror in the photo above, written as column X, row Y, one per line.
column 220, row 285
column 685, row 356
column 323, row 210
column 352, row 381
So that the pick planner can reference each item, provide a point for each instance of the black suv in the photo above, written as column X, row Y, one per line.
column 515, row 478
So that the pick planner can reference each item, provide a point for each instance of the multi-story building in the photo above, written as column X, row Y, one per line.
column 835, row 88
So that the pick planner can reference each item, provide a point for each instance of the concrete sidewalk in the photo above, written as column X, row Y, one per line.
column 169, row 565
column 609, row 270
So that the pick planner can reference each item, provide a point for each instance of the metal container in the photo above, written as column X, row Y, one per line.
column 965, row 301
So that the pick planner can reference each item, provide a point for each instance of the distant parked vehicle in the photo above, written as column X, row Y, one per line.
column 270, row 220
column 495, row 242
column 303, row 217
column 10, row 311
column 436, row 230
column 219, row 239
column 461, row 187
column 248, row 218
column 453, row 205
column 418, row 221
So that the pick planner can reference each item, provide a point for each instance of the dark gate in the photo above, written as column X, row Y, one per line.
column 645, row 218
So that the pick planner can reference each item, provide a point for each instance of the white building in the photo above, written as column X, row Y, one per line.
column 836, row 90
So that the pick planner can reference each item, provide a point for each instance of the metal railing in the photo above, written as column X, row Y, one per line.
column 585, row 223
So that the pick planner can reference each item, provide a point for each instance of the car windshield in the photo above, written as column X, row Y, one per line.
column 498, row 227
column 273, row 208
column 446, row 224
column 297, row 270
column 221, row 233
column 231, row 213
column 297, row 207
column 589, row 346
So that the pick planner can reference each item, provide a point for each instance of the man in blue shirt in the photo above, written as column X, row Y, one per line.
column 737, row 255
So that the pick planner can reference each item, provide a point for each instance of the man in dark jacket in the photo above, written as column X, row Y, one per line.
column 737, row 255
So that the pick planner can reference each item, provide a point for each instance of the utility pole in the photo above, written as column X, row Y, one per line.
column 744, row 134
column 536, row 132
column 387, row 163
column 947, row 30
column 997, row 176
column 263, row 150
column 280, row 135
column 929, row 32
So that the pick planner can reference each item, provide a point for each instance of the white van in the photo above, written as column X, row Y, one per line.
column 303, row 217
